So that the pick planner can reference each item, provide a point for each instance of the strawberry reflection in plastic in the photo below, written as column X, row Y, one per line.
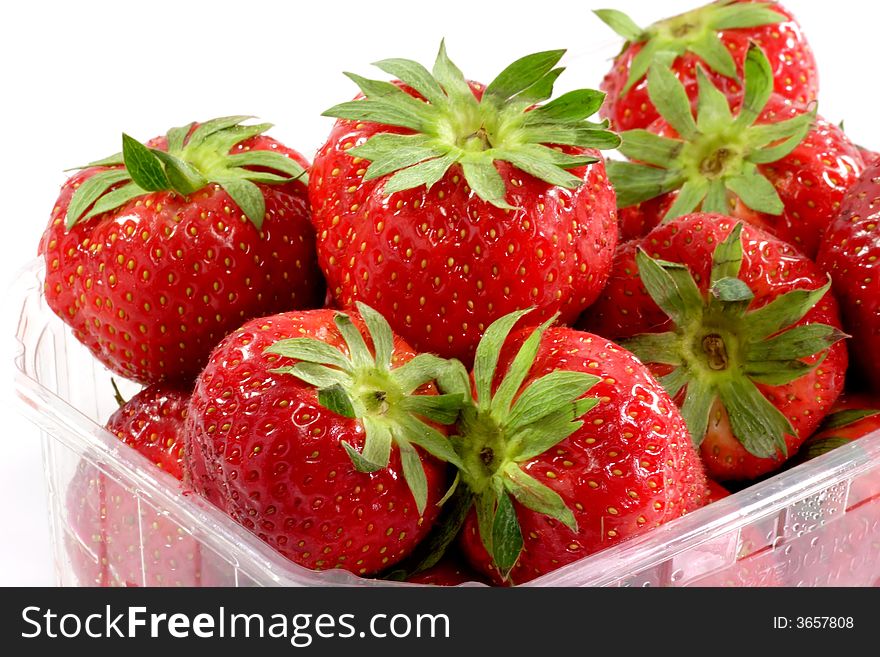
column 115, row 538
column 852, row 547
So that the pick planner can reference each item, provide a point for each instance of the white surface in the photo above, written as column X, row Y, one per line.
column 75, row 75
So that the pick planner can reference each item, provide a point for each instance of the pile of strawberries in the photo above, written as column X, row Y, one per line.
column 460, row 345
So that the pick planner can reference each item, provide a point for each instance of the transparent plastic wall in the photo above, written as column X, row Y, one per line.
column 116, row 520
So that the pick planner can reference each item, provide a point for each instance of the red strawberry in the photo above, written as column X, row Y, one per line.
column 714, row 492
column 311, row 437
column 854, row 416
column 555, row 475
column 869, row 156
column 774, row 165
column 716, row 36
column 448, row 572
column 155, row 254
column 439, row 203
column 152, row 422
column 116, row 541
column 741, row 330
column 850, row 253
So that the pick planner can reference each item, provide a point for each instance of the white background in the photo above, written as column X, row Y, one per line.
column 76, row 74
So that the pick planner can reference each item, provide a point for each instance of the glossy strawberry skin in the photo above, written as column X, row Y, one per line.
column 850, row 253
column 441, row 265
column 152, row 423
column 811, row 182
column 869, row 156
column 261, row 445
column 115, row 541
column 770, row 268
column 151, row 287
column 629, row 468
column 794, row 71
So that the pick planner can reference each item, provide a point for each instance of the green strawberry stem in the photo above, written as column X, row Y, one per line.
column 196, row 157
column 694, row 31
column 502, row 429
column 117, row 395
column 447, row 125
column 716, row 156
column 363, row 385
column 720, row 349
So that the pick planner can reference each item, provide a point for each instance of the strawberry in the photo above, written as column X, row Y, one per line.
column 869, row 156
column 446, row 204
column 324, row 443
column 116, row 541
column 716, row 36
column 850, row 253
column 714, row 492
column 152, row 422
column 853, row 416
column 555, row 475
column 770, row 163
column 448, row 572
column 154, row 254
column 742, row 331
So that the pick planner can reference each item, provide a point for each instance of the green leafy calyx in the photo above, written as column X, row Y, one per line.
column 363, row 384
column 719, row 349
column 446, row 124
column 825, row 438
column 444, row 532
column 197, row 155
column 715, row 159
column 846, row 418
column 503, row 427
column 814, row 448
column 695, row 32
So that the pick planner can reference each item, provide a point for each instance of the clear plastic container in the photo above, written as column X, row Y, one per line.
column 815, row 525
